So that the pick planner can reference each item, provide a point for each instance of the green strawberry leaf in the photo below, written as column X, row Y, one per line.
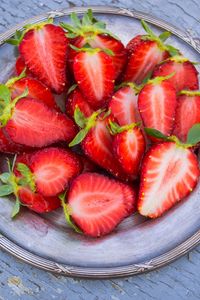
column 189, row 93
column 12, row 80
column 75, row 20
column 27, row 176
column 114, row 128
column 5, row 94
column 72, row 88
column 16, row 208
column 164, row 36
column 147, row 29
column 66, row 210
column 16, row 39
column 193, row 136
column 108, row 52
column 79, row 117
column 172, row 50
column 79, row 137
column 155, row 133
column 4, row 177
column 6, row 190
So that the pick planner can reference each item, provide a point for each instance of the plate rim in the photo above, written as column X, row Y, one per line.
column 111, row 272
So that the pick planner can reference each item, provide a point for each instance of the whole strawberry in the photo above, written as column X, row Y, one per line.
column 145, row 52
column 185, row 74
column 94, row 33
column 43, row 47
column 170, row 172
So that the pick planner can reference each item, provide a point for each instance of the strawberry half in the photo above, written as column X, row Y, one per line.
column 188, row 108
column 185, row 77
column 97, row 204
column 132, row 44
column 94, row 33
column 31, row 123
column 96, row 142
column 43, row 48
column 123, row 105
column 170, row 171
column 128, row 147
column 76, row 99
column 96, row 89
column 147, row 51
column 8, row 146
column 53, row 168
column 20, row 66
column 157, row 105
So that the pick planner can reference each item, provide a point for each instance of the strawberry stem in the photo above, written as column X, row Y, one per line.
column 114, row 128
column 159, row 79
column 189, row 93
column 135, row 87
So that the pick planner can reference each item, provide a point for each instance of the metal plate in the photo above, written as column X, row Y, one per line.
column 138, row 244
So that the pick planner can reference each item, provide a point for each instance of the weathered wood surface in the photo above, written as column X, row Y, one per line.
column 179, row 280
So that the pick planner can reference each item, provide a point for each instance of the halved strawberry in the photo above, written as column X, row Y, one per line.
column 157, row 105
column 94, row 73
column 53, row 168
column 185, row 77
column 123, row 105
column 34, row 124
column 36, row 90
column 169, row 173
column 128, row 147
column 132, row 44
column 187, row 113
column 44, row 50
column 97, row 204
column 88, row 165
column 96, row 142
column 88, row 31
column 37, row 202
column 76, row 99
column 145, row 52
column 8, row 146
column 20, row 66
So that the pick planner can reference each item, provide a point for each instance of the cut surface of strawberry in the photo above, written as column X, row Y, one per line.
column 20, row 66
column 8, row 146
column 98, row 204
column 169, row 173
column 44, row 50
column 185, row 77
column 157, row 105
column 187, row 113
column 36, row 90
column 76, row 99
column 124, row 106
column 34, row 124
column 132, row 44
column 94, row 73
column 53, row 168
column 36, row 202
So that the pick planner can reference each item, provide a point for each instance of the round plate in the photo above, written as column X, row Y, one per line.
column 138, row 244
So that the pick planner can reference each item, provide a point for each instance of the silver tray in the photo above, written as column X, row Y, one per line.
column 138, row 244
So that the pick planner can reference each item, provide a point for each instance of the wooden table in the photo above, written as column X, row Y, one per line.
column 179, row 280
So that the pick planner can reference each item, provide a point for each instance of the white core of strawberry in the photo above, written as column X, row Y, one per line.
column 170, row 169
column 132, row 143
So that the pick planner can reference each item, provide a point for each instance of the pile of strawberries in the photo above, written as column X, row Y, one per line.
column 127, row 137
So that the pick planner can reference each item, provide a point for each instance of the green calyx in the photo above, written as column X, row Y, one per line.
column 87, row 48
column 11, row 183
column 189, row 93
column 67, row 212
column 159, row 79
column 19, row 34
column 12, row 80
column 193, row 136
column 85, row 124
column 7, row 105
column 114, row 128
column 160, row 40
column 87, row 27
column 136, row 88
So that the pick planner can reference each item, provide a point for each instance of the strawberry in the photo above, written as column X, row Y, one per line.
column 157, row 105
column 75, row 99
column 169, row 173
column 132, row 44
column 88, row 165
column 36, row 90
column 94, row 33
column 8, row 146
column 43, row 47
column 146, row 54
column 31, row 123
column 96, row 142
column 96, row 89
column 188, row 108
column 128, row 147
column 37, row 202
column 123, row 104
column 97, row 204
column 20, row 66
column 185, row 77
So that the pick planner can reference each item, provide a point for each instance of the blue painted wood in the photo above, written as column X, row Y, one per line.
column 179, row 280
